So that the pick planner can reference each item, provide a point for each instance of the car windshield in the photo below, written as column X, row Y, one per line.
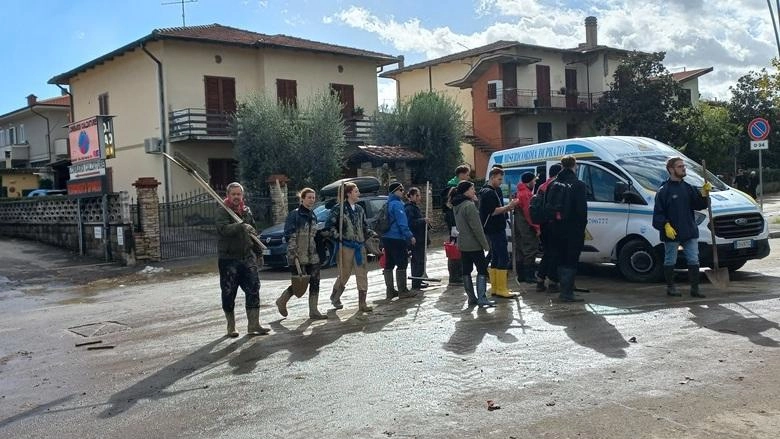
column 650, row 172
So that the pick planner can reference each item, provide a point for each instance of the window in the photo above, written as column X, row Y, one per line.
column 601, row 184
column 103, row 104
column 22, row 137
column 2, row 138
column 12, row 136
column 287, row 92
column 492, row 90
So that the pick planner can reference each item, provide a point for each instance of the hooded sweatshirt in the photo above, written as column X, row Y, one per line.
column 471, row 237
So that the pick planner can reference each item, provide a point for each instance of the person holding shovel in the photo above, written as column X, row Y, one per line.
column 673, row 217
column 417, row 224
column 300, row 229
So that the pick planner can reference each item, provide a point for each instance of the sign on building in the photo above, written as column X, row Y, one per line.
column 91, row 143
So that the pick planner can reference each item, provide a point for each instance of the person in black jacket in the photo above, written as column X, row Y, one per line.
column 493, row 214
column 673, row 217
column 417, row 224
column 567, row 196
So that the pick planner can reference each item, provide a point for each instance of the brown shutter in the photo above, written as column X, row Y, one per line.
column 287, row 92
column 212, row 94
column 228, row 95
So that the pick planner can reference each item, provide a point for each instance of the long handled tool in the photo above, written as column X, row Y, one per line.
column 719, row 277
column 425, row 277
column 192, row 169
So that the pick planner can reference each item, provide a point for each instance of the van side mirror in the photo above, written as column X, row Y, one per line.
column 623, row 193
column 620, row 189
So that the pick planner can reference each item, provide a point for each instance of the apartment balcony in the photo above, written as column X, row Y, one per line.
column 514, row 99
column 198, row 124
column 358, row 131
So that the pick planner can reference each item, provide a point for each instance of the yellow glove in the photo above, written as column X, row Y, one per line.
column 705, row 190
column 669, row 231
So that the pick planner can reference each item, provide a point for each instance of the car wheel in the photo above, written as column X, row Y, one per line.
column 638, row 262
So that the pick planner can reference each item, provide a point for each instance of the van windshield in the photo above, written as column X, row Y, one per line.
column 650, row 172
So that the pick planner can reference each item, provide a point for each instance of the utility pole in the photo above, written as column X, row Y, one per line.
column 182, row 2
column 774, row 23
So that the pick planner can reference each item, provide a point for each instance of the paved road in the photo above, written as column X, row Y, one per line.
column 414, row 368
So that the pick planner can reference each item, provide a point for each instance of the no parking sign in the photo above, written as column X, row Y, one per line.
column 758, row 129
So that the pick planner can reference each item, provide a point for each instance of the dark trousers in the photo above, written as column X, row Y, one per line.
column 470, row 259
column 234, row 273
column 548, row 266
column 313, row 270
column 418, row 263
column 568, row 240
column 499, row 255
column 395, row 254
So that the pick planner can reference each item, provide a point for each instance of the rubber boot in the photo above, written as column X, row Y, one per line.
column 553, row 287
column 362, row 305
column 400, row 282
column 390, row 288
column 314, row 313
column 540, row 287
column 671, row 290
column 231, row 324
column 566, row 276
column 335, row 297
column 468, row 285
column 482, row 299
column 491, row 276
column 456, row 274
column 253, row 327
column 693, row 278
column 499, row 286
column 281, row 302
column 520, row 272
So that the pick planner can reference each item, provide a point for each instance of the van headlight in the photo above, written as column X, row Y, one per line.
column 699, row 217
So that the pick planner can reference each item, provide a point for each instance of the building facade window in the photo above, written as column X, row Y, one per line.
column 287, row 92
column 103, row 104
column 2, row 138
column 21, row 135
column 11, row 133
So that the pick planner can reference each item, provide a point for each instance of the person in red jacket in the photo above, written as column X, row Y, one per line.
column 526, row 231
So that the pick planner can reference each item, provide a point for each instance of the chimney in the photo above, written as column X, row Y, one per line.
column 591, row 32
column 400, row 61
column 32, row 100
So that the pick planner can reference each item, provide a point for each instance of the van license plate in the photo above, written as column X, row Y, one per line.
column 267, row 252
column 744, row 243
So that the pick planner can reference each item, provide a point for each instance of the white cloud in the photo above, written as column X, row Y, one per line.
column 733, row 36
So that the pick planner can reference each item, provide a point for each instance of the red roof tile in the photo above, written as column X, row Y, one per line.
column 690, row 74
column 389, row 153
column 59, row 100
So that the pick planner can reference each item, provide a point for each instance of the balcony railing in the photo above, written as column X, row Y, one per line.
column 197, row 123
column 514, row 98
column 358, row 130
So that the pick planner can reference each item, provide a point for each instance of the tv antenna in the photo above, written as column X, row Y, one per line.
column 182, row 2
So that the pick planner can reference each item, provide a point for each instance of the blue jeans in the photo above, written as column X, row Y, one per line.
column 690, row 248
column 499, row 255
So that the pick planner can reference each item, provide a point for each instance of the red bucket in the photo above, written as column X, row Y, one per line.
column 451, row 250
column 382, row 260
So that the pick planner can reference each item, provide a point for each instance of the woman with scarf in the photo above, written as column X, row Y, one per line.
column 348, row 227
column 237, row 261
column 299, row 231
column 472, row 242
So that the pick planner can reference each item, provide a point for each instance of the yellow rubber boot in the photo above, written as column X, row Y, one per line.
column 500, row 288
column 491, row 279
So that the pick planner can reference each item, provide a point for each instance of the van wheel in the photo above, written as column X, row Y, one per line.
column 638, row 262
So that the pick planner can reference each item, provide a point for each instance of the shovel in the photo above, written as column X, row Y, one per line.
column 299, row 282
column 719, row 277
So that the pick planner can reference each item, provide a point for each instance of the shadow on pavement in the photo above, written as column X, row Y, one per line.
column 305, row 347
column 716, row 317
column 155, row 385
column 43, row 408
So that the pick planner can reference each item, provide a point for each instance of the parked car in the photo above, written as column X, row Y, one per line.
column 273, row 237
column 47, row 192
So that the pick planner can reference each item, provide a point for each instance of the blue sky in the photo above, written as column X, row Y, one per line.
column 45, row 38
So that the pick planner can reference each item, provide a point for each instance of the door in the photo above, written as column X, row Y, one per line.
column 571, row 89
column 221, row 173
column 543, row 97
column 220, row 104
column 346, row 94
column 544, row 131
column 607, row 217
column 509, row 78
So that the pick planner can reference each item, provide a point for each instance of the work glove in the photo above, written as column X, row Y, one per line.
column 705, row 190
column 669, row 231
column 249, row 229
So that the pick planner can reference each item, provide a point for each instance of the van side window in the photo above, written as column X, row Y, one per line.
column 601, row 184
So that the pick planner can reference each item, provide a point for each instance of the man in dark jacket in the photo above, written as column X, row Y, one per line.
column 300, row 228
column 493, row 214
column 567, row 196
column 675, row 203
column 461, row 174
column 237, row 261
column 417, row 224
column 396, row 241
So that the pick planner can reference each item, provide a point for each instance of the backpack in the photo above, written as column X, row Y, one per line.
column 538, row 209
column 382, row 224
column 555, row 199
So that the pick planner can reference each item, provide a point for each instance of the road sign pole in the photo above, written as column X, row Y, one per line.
column 761, row 179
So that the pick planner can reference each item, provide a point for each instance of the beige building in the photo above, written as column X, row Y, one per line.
column 180, row 85
column 516, row 94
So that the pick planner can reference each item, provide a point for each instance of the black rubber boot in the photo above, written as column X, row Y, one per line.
column 390, row 291
column 335, row 297
column 530, row 274
column 468, row 285
column 281, row 302
column 400, row 283
column 231, row 324
column 693, row 278
column 314, row 313
column 456, row 275
column 671, row 290
column 566, row 275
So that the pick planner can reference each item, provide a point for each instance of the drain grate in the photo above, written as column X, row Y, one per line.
column 98, row 329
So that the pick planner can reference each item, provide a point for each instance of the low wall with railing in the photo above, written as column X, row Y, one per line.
column 94, row 226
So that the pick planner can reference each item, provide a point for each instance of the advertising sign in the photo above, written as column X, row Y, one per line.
column 89, row 186
column 84, row 140
column 86, row 169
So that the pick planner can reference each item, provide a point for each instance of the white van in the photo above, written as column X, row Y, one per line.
column 623, row 174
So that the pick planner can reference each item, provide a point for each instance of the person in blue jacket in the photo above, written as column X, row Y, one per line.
column 673, row 217
column 396, row 242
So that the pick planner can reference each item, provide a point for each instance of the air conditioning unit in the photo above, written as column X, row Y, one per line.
column 495, row 88
column 20, row 152
column 152, row 145
column 61, row 147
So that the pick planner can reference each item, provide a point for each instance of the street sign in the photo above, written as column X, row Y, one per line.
column 757, row 145
column 758, row 129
